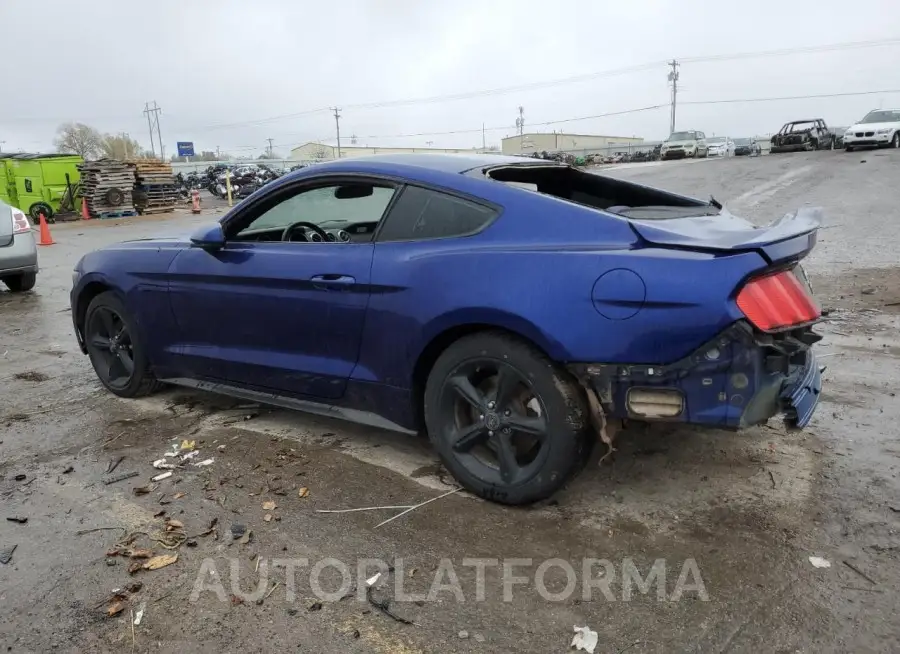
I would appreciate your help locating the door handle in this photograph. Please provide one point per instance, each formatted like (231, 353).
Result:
(332, 281)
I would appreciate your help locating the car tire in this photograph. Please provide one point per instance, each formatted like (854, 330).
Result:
(107, 311)
(38, 208)
(848, 148)
(528, 391)
(895, 142)
(20, 283)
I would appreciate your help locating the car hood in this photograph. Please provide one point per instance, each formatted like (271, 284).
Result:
(669, 144)
(871, 127)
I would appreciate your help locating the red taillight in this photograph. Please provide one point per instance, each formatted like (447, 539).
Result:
(776, 301)
(20, 223)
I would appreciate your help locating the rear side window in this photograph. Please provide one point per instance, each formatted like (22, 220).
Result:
(421, 214)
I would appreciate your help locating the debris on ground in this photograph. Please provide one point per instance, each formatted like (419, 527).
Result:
(139, 614)
(269, 505)
(314, 606)
(6, 554)
(303, 492)
(119, 477)
(20, 519)
(267, 517)
(32, 376)
(246, 538)
(585, 639)
(187, 445)
(115, 608)
(161, 464)
(413, 508)
(162, 476)
(860, 572)
(178, 496)
(463, 634)
(160, 561)
(144, 490)
(20, 477)
(202, 464)
(113, 464)
(819, 562)
(68, 470)
(237, 531)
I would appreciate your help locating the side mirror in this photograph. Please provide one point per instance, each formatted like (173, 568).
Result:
(209, 237)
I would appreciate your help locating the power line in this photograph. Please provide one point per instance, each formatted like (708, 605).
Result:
(792, 97)
(504, 90)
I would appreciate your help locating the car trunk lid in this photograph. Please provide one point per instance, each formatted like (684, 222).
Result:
(791, 237)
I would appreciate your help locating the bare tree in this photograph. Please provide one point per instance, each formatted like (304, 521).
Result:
(121, 147)
(79, 139)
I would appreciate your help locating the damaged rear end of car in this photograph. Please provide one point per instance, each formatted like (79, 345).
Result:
(707, 318)
(760, 365)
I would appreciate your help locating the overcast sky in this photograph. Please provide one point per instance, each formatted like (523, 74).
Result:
(233, 73)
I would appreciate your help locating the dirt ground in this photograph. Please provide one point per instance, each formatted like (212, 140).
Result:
(733, 518)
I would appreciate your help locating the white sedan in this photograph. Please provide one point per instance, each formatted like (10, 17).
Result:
(720, 146)
(880, 128)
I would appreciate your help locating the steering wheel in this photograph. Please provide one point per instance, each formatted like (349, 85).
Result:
(286, 234)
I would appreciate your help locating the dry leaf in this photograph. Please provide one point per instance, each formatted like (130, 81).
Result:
(115, 608)
(188, 445)
(303, 492)
(134, 567)
(267, 517)
(160, 561)
(174, 524)
(178, 496)
(269, 505)
(139, 553)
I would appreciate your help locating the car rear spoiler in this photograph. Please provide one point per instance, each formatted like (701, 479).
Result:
(792, 236)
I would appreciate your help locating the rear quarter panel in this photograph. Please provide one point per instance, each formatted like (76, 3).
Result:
(533, 272)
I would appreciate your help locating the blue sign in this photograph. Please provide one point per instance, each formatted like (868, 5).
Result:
(185, 148)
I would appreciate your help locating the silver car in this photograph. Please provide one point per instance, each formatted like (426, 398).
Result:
(18, 253)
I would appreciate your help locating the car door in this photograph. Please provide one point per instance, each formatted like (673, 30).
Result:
(279, 316)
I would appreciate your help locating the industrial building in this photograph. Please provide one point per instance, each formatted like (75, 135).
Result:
(314, 151)
(558, 142)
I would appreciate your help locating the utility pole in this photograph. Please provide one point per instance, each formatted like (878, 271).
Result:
(520, 128)
(155, 110)
(337, 125)
(673, 77)
(270, 148)
(483, 139)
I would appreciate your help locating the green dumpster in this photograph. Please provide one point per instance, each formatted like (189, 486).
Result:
(37, 182)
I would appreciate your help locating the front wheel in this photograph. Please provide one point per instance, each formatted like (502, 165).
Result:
(895, 142)
(509, 424)
(115, 349)
(848, 148)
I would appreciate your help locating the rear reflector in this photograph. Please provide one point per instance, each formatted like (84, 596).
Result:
(776, 301)
(20, 223)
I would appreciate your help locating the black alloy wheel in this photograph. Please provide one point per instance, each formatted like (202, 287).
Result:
(110, 347)
(498, 428)
(115, 349)
(506, 422)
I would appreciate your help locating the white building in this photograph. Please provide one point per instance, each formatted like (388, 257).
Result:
(560, 142)
(314, 151)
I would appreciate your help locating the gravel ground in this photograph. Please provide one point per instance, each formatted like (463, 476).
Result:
(733, 518)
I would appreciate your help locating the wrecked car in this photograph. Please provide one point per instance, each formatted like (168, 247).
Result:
(803, 135)
(432, 291)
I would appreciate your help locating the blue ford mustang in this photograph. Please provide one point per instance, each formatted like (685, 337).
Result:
(512, 307)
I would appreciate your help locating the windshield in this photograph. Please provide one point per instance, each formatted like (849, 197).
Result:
(742, 141)
(886, 116)
(800, 127)
(683, 136)
(716, 139)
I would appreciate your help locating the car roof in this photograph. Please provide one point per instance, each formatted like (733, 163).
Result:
(439, 162)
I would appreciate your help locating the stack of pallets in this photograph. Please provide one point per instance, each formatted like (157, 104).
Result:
(106, 186)
(154, 186)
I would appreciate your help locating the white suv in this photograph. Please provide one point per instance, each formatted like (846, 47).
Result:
(880, 128)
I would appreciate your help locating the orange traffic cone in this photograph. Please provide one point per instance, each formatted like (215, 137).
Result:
(46, 239)
(84, 210)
